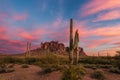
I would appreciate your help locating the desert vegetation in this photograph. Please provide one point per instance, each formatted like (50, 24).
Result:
(70, 66)
(50, 63)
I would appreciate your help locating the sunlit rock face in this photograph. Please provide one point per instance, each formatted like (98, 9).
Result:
(82, 53)
(55, 47)
(80, 49)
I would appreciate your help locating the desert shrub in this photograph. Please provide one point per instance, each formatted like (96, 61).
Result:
(95, 60)
(31, 60)
(25, 66)
(10, 59)
(47, 70)
(51, 68)
(49, 59)
(10, 65)
(92, 66)
(5, 69)
(115, 70)
(8, 70)
(105, 66)
(19, 60)
(73, 73)
(88, 65)
(98, 74)
(117, 63)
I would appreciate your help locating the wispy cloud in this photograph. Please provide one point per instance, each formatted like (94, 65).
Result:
(20, 17)
(95, 6)
(110, 15)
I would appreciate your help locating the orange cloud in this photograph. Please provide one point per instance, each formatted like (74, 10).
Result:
(95, 6)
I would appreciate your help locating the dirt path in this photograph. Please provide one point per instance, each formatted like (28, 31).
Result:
(30, 73)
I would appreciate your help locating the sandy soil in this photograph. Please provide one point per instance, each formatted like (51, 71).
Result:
(31, 73)
(108, 75)
(34, 73)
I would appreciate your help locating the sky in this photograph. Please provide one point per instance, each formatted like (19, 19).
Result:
(36, 21)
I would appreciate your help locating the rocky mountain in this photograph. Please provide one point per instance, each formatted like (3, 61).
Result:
(55, 47)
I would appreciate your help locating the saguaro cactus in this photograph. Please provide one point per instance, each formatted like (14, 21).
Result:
(28, 49)
(76, 41)
(71, 42)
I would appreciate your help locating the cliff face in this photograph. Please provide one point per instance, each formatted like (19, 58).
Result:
(56, 47)
(53, 46)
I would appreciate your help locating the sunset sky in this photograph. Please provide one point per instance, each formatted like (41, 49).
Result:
(38, 21)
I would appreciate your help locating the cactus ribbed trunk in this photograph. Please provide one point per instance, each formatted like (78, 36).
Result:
(71, 42)
(28, 49)
(76, 41)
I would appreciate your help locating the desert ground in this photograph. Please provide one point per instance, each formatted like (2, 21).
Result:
(35, 73)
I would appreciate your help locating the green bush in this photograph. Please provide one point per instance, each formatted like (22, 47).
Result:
(105, 66)
(10, 59)
(73, 73)
(98, 74)
(51, 68)
(25, 66)
(47, 70)
(31, 60)
(3, 68)
(6, 69)
(92, 66)
(10, 65)
(115, 70)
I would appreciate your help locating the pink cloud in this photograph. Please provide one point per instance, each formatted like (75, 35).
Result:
(57, 22)
(97, 43)
(2, 29)
(20, 17)
(62, 36)
(34, 34)
(108, 31)
(81, 26)
(40, 31)
(3, 34)
(3, 16)
(26, 35)
(12, 46)
(111, 15)
(95, 6)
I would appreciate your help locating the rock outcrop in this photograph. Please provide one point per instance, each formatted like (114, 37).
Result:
(53, 46)
(56, 47)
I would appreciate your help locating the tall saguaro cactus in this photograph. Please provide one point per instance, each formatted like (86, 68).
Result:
(71, 42)
(28, 49)
(76, 41)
